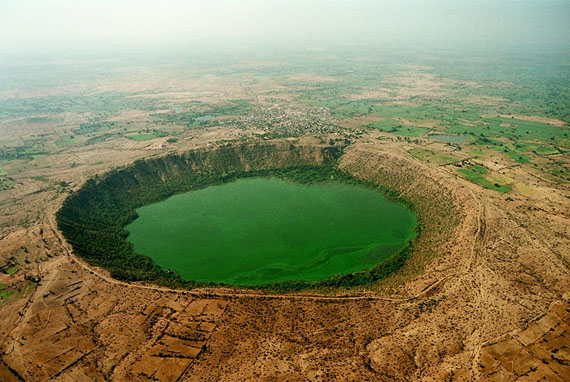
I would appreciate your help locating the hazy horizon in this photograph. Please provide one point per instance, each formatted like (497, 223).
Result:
(66, 27)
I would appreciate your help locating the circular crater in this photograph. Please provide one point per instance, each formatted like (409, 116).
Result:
(267, 215)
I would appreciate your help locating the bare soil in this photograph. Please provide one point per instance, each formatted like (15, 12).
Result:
(490, 302)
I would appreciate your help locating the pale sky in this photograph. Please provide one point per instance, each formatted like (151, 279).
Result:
(28, 26)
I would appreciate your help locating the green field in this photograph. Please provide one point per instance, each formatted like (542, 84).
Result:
(66, 140)
(141, 136)
(7, 295)
(394, 126)
(476, 174)
(264, 230)
(12, 270)
(411, 131)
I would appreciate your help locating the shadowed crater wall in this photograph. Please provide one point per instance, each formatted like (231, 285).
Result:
(93, 219)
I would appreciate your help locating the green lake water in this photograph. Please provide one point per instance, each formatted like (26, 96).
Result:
(257, 231)
(447, 138)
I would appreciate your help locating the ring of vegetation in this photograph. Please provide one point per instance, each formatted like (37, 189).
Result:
(93, 219)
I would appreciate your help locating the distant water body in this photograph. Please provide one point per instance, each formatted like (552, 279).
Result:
(449, 138)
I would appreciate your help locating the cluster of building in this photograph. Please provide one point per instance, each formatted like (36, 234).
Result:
(280, 121)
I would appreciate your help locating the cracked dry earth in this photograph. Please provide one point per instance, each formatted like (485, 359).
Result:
(493, 306)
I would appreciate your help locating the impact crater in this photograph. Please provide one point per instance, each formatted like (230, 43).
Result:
(273, 215)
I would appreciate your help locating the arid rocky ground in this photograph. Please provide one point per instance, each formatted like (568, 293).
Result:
(488, 300)
(491, 305)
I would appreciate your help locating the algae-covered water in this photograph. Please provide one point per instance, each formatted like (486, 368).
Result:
(258, 231)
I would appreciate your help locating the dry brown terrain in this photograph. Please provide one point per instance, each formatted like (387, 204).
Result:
(491, 305)
(485, 298)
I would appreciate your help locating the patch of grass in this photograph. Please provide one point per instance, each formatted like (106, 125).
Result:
(411, 131)
(12, 270)
(8, 295)
(474, 174)
(559, 171)
(394, 126)
(6, 186)
(141, 136)
(523, 147)
(414, 113)
(93, 127)
(146, 135)
(515, 152)
(353, 109)
(502, 180)
(476, 153)
(518, 157)
(386, 125)
(525, 134)
(546, 150)
(66, 140)
(478, 168)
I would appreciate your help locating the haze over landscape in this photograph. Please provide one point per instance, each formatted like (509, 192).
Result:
(271, 190)
(110, 26)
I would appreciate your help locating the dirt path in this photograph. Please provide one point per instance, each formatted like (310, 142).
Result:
(25, 315)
